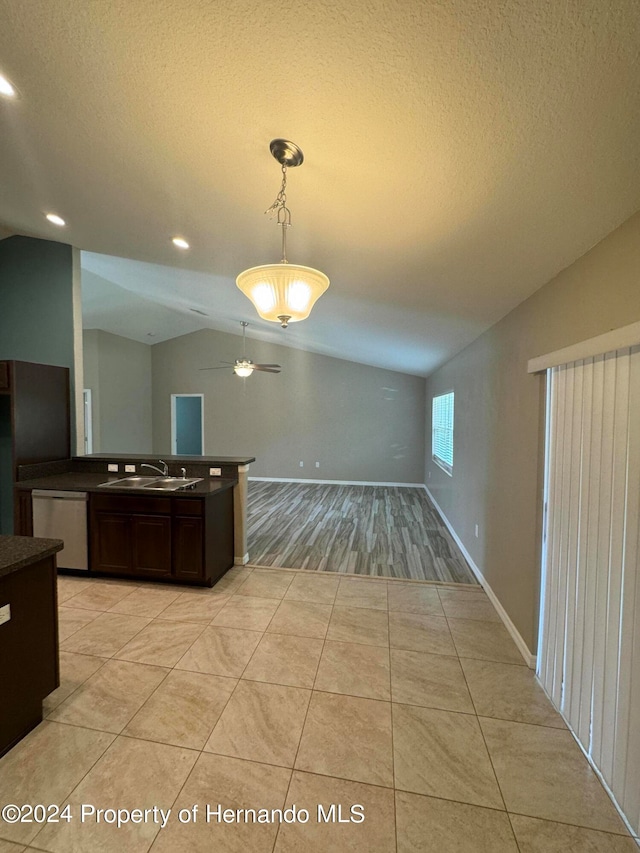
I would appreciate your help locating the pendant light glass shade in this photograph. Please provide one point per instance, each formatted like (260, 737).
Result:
(283, 293)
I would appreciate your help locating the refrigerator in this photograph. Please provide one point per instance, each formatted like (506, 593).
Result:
(35, 424)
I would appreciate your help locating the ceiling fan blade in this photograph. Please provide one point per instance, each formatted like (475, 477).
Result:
(224, 367)
(264, 369)
(268, 365)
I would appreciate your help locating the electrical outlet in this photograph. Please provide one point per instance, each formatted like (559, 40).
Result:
(215, 472)
(129, 469)
(317, 464)
(477, 531)
(113, 468)
(301, 464)
(5, 613)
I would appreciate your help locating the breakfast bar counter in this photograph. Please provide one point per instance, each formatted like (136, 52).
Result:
(176, 519)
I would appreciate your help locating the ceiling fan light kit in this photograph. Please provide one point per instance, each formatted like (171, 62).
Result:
(244, 366)
(283, 293)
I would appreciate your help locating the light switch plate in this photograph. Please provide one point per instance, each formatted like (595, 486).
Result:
(129, 469)
(5, 613)
(215, 472)
(112, 467)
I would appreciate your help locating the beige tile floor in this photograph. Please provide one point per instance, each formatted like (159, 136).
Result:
(282, 688)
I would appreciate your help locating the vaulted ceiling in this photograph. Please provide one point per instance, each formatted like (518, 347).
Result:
(458, 154)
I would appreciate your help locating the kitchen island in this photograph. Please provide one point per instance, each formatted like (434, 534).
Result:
(188, 535)
(28, 633)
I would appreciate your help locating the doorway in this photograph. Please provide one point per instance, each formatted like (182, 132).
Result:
(187, 424)
(88, 421)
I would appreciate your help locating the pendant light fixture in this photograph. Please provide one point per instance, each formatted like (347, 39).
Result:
(283, 293)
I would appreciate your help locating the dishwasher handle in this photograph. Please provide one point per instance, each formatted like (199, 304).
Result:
(67, 496)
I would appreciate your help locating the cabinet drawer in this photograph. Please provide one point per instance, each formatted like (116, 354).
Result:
(186, 506)
(131, 503)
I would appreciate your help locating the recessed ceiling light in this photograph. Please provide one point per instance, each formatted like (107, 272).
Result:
(57, 220)
(7, 88)
(180, 243)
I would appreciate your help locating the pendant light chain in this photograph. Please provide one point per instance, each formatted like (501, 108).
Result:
(283, 212)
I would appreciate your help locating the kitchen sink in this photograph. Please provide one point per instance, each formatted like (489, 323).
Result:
(172, 484)
(130, 482)
(160, 484)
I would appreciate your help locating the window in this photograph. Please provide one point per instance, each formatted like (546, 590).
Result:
(442, 431)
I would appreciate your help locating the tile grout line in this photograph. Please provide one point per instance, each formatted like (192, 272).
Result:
(304, 722)
(239, 678)
(482, 735)
(67, 797)
(393, 749)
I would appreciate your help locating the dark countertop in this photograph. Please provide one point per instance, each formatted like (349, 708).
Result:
(151, 457)
(78, 481)
(16, 552)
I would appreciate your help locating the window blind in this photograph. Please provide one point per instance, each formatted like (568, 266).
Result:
(442, 430)
(589, 653)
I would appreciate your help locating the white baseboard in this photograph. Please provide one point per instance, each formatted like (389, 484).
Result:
(529, 659)
(336, 482)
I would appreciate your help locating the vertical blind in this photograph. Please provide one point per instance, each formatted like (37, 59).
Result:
(589, 654)
(442, 430)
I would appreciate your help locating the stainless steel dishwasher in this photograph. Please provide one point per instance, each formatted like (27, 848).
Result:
(63, 515)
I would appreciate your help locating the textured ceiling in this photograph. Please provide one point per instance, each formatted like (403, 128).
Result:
(458, 153)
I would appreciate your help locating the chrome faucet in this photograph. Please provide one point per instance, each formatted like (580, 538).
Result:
(164, 471)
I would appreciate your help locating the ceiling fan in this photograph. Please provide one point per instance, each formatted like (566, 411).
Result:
(244, 366)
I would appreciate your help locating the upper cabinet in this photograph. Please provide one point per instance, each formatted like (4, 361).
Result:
(39, 411)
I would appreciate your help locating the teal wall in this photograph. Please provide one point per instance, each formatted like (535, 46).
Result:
(36, 324)
(36, 301)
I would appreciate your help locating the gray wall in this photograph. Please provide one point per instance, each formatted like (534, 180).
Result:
(358, 422)
(499, 416)
(118, 372)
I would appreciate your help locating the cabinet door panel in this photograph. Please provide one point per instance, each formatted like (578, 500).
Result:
(151, 544)
(111, 540)
(188, 548)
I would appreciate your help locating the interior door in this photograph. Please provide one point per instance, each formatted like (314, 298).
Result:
(187, 424)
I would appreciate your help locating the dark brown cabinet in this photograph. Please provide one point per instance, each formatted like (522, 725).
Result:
(189, 540)
(188, 550)
(111, 542)
(151, 544)
(34, 427)
(130, 535)
(28, 647)
(132, 544)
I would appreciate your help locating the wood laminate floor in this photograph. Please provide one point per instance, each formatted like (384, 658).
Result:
(381, 531)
